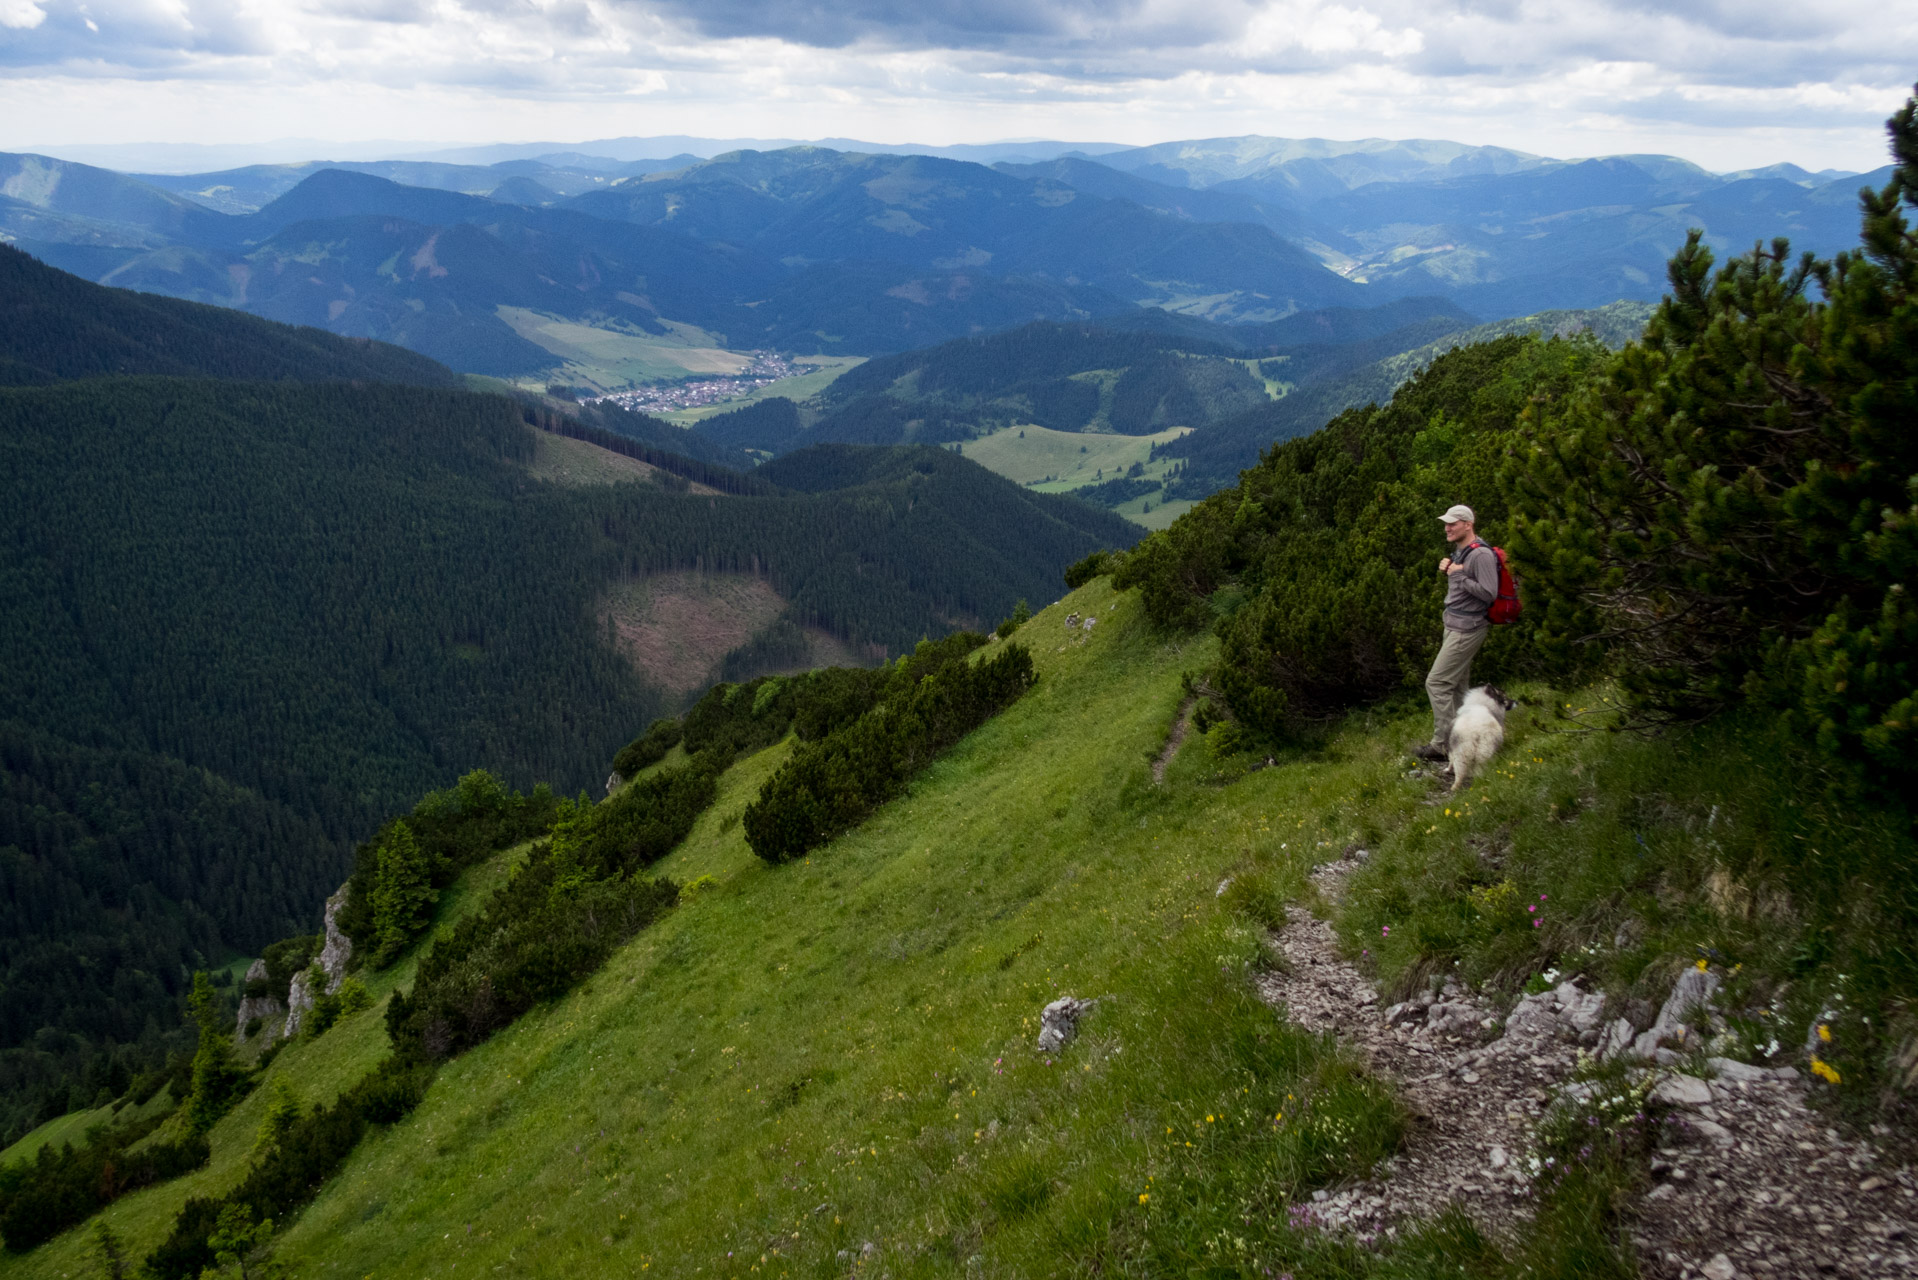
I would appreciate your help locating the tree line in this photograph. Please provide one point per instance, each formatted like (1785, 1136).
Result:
(246, 622)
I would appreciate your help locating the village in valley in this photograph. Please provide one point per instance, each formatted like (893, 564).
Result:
(763, 369)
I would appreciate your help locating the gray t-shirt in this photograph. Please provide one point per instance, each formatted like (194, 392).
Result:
(1469, 594)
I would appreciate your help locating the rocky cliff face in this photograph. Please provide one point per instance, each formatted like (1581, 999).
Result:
(268, 1008)
(338, 948)
(333, 958)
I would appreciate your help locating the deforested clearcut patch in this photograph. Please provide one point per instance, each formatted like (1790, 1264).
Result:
(675, 627)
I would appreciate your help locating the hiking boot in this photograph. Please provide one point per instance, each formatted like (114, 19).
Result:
(1426, 751)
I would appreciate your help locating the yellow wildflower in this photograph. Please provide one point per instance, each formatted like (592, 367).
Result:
(1824, 1032)
(1143, 1197)
(1824, 1071)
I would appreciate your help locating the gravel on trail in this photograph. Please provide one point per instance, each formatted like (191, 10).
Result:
(1747, 1179)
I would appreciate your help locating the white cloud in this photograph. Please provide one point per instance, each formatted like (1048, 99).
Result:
(21, 15)
(1716, 79)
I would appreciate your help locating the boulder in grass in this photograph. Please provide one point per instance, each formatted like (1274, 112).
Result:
(1059, 1022)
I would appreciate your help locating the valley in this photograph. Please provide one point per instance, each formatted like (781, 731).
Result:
(1061, 461)
(604, 359)
(860, 713)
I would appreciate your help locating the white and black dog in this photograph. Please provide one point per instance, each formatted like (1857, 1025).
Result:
(1477, 733)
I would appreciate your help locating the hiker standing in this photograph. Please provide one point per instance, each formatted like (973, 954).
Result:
(1471, 586)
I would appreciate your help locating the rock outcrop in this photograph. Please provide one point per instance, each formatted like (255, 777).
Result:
(267, 1008)
(299, 1000)
(338, 949)
(334, 955)
(1059, 1022)
(1691, 995)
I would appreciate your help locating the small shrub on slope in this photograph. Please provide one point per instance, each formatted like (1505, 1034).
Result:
(398, 874)
(648, 748)
(829, 786)
(555, 921)
(42, 1197)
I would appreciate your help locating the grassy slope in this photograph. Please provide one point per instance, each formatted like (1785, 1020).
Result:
(318, 1070)
(1072, 457)
(1162, 513)
(855, 1032)
(72, 1127)
(807, 1058)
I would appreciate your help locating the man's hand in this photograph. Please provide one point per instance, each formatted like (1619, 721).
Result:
(1449, 566)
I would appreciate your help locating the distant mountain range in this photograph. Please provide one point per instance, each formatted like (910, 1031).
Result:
(513, 266)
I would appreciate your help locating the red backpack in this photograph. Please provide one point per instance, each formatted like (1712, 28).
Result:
(1505, 606)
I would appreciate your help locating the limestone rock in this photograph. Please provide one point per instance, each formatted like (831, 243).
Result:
(1584, 1010)
(1692, 992)
(1683, 1091)
(1718, 1133)
(267, 1009)
(338, 949)
(1618, 1038)
(1059, 1022)
(335, 952)
(299, 999)
(1719, 1268)
(612, 782)
(1746, 1073)
(1090, 623)
(1072, 622)
(1452, 1018)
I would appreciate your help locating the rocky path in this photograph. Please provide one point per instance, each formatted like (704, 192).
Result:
(1181, 725)
(1749, 1181)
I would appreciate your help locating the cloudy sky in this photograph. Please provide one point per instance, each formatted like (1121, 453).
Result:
(1728, 83)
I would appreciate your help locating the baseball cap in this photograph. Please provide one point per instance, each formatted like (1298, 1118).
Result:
(1459, 512)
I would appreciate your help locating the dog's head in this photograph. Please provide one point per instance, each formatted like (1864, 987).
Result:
(1497, 695)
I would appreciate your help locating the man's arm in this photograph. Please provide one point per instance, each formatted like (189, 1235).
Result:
(1480, 573)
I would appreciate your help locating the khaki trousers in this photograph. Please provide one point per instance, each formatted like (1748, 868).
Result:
(1450, 677)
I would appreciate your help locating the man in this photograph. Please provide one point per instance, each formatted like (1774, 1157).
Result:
(1471, 584)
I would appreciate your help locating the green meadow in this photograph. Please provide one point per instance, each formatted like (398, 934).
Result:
(803, 1061)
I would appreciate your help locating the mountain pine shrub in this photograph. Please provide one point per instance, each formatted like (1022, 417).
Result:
(398, 874)
(42, 1197)
(1318, 570)
(829, 786)
(649, 748)
(1731, 509)
(578, 896)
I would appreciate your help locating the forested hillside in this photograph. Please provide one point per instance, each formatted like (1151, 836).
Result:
(247, 617)
(54, 325)
(1330, 378)
(1235, 388)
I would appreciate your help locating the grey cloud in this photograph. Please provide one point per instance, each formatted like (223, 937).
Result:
(142, 37)
(943, 24)
(391, 12)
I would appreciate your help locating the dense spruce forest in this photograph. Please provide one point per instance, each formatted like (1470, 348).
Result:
(59, 326)
(246, 620)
